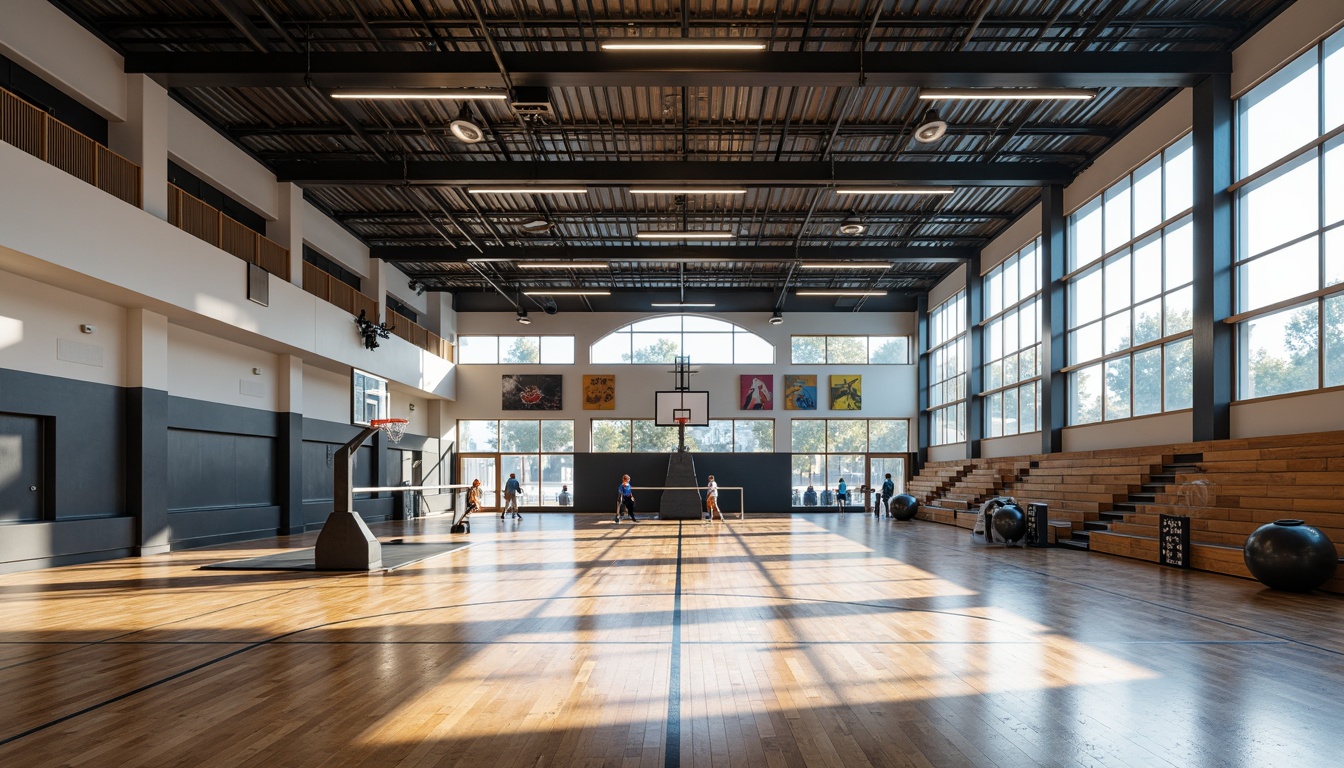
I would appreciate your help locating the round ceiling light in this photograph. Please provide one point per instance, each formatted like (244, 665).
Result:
(931, 128)
(852, 228)
(467, 132)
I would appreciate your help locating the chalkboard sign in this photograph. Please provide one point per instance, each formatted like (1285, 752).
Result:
(1038, 525)
(1173, 541)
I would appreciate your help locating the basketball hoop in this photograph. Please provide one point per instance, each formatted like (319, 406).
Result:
(393, 428)
(682, 420)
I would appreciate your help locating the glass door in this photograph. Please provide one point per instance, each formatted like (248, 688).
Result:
(526, 467)
(879, 466)
(485, 469)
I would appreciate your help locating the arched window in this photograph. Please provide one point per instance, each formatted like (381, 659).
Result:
(659, 339)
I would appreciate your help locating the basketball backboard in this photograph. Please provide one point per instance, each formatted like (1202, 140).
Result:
(666, 404)
(368, 398)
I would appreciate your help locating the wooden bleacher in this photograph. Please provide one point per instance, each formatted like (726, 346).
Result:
(1110, 501)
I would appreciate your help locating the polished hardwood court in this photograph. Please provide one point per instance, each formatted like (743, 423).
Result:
(569, 640)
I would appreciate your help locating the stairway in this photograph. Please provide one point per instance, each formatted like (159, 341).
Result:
(1181, 463)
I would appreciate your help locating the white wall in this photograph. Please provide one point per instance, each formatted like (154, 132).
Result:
(1129, 433)
(40, 332)
(889, 390)
(115, 252)
(203, 151)
(948, 287)
(332, 241)
(1289, 415)
(53, 46)
(326, 395)
(1016, 445)
(203, 367)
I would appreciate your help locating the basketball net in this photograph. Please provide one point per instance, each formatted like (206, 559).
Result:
(393, 428)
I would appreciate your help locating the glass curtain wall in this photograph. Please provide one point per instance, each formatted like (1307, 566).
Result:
(539, 452)
(1131, 269)
(947, 371)
(721, 436)
(825, 450)
(1290, 227)
(1011, 345)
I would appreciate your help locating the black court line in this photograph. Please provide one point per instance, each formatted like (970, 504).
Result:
(672, 749)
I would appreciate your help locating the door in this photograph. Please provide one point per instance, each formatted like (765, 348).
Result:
(486, 469)
(20, 468)
(879, 466)
(527, 468)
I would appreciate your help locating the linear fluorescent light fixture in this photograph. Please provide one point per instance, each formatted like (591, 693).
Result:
(569, 292)
(675, 44)
(562, 265)
(1009, 94)
(422, 94)
(679, 304)
(839, 293)
(878, 265)
(527, 190)
(688, 191)
(710, 235)
(894, 190)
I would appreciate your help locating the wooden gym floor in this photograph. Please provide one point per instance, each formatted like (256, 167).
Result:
(567, 640)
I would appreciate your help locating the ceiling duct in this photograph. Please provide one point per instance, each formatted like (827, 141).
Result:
(532, 102)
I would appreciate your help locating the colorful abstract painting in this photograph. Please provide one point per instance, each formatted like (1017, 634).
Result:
(756, 392)
(599, 393)
(847, 393)
(800, 392)
(532, 392)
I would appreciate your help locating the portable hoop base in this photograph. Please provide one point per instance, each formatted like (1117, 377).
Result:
(346, 543)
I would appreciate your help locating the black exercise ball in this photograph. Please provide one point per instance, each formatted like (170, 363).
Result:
(1010, 522)
(1289, 555)
(903, 506)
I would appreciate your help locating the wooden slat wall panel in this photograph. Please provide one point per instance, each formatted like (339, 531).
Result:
(37, 133)
(204, 221)
(23, 125)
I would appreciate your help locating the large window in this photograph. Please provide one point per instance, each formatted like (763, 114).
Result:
(539, 452)
(1012, 343)
(510, 350)
(850, 350)
(721, 436)
(1131, 268)
(947, 371)
(825, 450)
(660, 339)
(1290, 233)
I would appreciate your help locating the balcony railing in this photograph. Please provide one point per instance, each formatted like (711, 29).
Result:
(198, 218)
(333, 291)
(419, 335)
(54, 142)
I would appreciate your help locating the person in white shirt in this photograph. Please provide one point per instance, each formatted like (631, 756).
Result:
(712, 499)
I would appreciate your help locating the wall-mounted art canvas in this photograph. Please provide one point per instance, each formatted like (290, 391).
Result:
(800, 392)
(756, 392)
(599, 393)
(532, 392)
(847, 393)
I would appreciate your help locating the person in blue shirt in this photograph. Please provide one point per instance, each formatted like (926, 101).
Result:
(626, 500)
(841, 495)
(511, 490)
(888, 490)
(565, 498)
(810, 497)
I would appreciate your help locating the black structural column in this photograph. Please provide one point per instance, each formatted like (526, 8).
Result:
(289, 474)
(1054, 397)
(1213, 362)
(922, 381)
(147, 462)
(975, 370)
